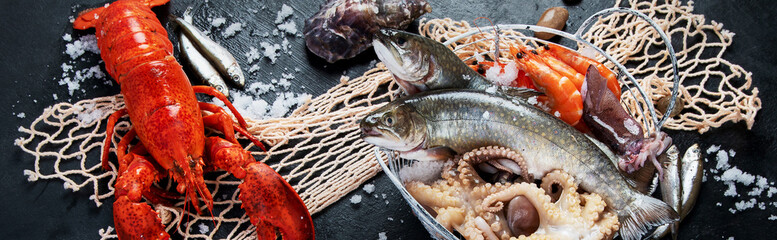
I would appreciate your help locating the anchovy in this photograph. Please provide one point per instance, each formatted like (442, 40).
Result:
(436, 124)
(681, 191)
(201, 66)
(219, 56)
(421, 64)
(691, 173)
(670, 190)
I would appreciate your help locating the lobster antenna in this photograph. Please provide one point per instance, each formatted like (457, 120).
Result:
(496, 38)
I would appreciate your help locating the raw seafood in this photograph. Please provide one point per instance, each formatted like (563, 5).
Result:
(436, 124)
(343, 28)
(168, 121)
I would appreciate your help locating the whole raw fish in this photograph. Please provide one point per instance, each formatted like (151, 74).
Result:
(421, 64)
(437, 124)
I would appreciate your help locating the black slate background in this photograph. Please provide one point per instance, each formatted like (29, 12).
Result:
(31, 53)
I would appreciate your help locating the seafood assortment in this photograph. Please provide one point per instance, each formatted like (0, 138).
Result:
(168, 120)
(343, 28)
(436, 125)
(478, 209)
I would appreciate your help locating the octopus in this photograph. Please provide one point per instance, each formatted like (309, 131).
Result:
(478, 209)
(342, 29)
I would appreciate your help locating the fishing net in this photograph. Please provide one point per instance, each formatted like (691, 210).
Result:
(317, 148)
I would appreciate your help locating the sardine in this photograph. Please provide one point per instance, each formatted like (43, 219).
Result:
(684, 188)
(219, 56)
(691, 173)
(201, 66)
(421, 64)
(670, 189)
(436, 124)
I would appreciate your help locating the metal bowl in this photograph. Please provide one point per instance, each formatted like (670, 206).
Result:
(392, 164)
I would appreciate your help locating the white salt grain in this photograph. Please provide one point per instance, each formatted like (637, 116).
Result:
(289, 27)
(270, 51)
(217, 22)
(369, 188)
(203, 228)
(84, 44)
(284, 13)
(67, 37)
(233, 29)
(356, 199)
(722, 159)
(742, 205)
(253, 55)
(20, 115)
(713, 148)
(772, 217)
(382, 236)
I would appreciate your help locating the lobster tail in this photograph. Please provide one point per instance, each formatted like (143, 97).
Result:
(88, 19)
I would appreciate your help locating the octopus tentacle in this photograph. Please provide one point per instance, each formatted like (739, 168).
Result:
(475, 208)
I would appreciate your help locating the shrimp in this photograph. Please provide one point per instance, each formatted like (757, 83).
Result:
(581, 63)
(565, 99)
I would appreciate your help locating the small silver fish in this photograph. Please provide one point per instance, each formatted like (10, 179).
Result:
(217, 55)
(691, 173)
(670, 189)
(683, 188)
(201, 66)
(436, 124)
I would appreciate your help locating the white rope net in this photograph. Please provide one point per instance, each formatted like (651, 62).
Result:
(317, 148)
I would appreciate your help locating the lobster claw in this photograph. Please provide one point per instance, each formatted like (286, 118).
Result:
(270, 201)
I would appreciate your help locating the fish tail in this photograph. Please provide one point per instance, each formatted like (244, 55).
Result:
(643, 214)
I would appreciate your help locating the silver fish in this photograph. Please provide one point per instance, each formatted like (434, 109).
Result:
(684, 187)
(218, 56)
(691, 173)
(670, 189)
(436, 124)
(201, 66)
(421, 64)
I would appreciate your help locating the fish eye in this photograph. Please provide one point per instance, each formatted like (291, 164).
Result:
(401, 41)
(389, 121)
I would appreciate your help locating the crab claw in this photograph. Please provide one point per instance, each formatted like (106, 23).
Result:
(267, 198)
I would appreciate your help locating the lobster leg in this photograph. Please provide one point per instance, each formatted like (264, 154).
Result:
(109, 135)
(222, 127)
(267, 198)
(215, 93)
(134, 219)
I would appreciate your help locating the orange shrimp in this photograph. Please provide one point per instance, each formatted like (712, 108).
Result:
(562, 68)
(566, 102)
(581, 63)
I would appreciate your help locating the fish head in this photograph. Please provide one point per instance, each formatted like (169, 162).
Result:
(407, 56)
(394, 126)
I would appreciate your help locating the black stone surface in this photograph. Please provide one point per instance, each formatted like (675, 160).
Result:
(32, 52)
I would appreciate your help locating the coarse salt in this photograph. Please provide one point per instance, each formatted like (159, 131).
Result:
(218, 22)
(356, 199)
(233, 29)
(369, 188)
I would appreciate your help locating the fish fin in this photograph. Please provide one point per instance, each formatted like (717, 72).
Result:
(642, 179)
(520, 93)
(643, 213)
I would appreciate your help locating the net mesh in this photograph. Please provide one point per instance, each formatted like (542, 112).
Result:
(317, 148)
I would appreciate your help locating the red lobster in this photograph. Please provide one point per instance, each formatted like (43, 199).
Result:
(168, 121)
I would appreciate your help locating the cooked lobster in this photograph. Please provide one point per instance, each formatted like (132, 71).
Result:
(168, 121)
